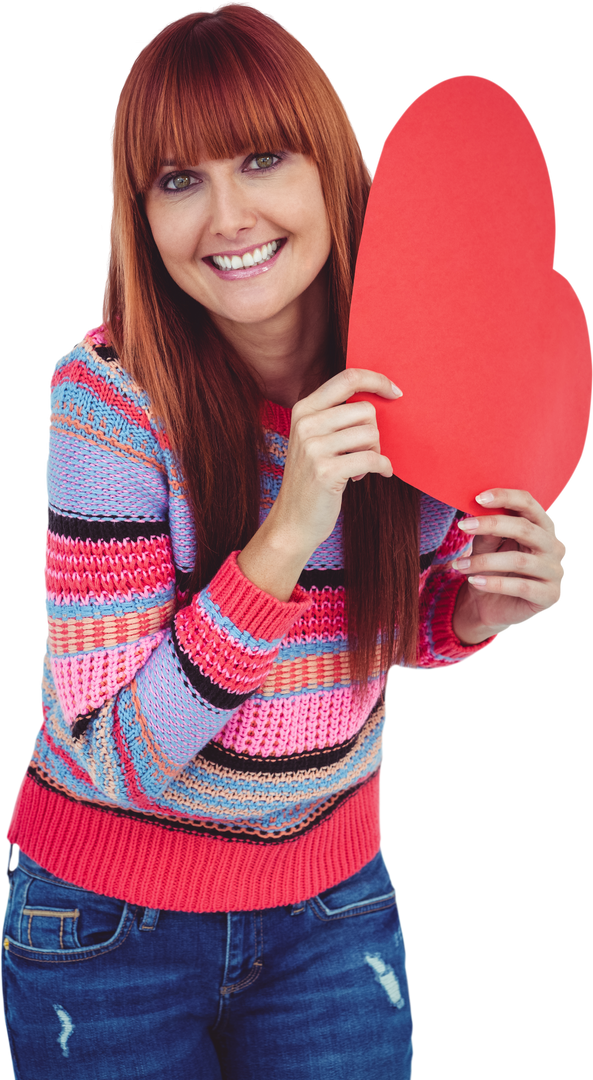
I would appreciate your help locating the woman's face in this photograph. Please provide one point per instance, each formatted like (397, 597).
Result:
(244, 236)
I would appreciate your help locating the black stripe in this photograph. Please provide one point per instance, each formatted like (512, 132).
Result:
(212, 693)
(318, 578)
(335, 578)
(309, 759)
(86, 529)
(106, 352)
(427, 559)
(182, 579)
(82, 722)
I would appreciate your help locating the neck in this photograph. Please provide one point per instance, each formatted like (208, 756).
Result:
(289, 352)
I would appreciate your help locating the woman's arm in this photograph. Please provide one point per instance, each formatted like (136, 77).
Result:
(132, 693)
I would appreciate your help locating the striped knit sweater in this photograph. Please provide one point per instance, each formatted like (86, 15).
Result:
(201, 756)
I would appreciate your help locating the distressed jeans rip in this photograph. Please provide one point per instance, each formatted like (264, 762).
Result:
(67, 1029)
(386, 977)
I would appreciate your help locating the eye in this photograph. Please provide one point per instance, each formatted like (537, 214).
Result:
(182, 181)
(263, 162)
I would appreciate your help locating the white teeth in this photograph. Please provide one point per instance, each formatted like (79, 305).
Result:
(250, 258)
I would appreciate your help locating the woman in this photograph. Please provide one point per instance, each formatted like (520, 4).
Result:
(198, 828)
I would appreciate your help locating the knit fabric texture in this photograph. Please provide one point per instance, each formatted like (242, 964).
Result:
(206, 755)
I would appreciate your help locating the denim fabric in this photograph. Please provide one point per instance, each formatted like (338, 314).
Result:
(97, 989)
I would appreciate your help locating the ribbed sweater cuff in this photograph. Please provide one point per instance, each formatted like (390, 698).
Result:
(251, 609)
(445, 640)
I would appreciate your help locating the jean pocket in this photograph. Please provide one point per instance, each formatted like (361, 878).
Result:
(49, 920)
(368, 890)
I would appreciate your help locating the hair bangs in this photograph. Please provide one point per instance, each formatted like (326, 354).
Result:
(215, 93)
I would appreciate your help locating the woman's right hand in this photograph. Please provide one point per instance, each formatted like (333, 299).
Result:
(331, 441)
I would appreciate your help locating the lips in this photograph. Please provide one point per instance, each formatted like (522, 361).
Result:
(230, 275)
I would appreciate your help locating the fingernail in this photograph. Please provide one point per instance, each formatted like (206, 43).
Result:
(461, 564)
(477, 580)
(468, 524)
(485, 497)
(396, 390)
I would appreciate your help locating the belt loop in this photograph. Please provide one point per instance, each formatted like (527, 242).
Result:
(150, 918)
(297, 909)
(8, 870)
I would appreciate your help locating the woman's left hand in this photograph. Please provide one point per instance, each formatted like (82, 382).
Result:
(514, 569)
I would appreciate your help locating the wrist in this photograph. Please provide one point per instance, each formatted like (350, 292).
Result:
(286, 537)
(467, 624)
(268, 562)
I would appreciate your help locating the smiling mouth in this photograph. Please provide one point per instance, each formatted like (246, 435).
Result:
(254, 257)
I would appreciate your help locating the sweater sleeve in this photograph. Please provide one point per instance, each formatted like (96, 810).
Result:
(438, 643)
(134, 688)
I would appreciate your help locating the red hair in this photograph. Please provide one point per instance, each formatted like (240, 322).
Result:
(219, 85)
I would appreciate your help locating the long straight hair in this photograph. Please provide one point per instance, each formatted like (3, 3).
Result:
(216, 85)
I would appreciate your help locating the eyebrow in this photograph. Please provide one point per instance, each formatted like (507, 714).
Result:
(170, 162)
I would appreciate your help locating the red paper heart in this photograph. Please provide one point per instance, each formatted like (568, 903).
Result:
(455, 299)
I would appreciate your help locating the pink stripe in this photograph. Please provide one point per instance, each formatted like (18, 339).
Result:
(296, 723)
(83, 683)
(83, 569)
(86, 682)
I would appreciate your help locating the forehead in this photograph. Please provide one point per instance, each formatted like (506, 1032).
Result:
(198, 157)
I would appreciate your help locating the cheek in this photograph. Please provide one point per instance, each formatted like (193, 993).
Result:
(309, 223)
(175, 245)
(319, 227)
(174, 235)
(320, 236)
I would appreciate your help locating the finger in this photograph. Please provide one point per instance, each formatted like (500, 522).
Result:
(325, 421)
(541, 594)
(348, 441)
(520, 501)
(343, 385)
(519, 563)
(347, 466)
(515, 528)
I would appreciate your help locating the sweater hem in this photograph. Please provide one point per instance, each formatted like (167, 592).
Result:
(143, 863)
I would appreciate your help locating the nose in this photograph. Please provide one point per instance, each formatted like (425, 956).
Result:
(230, 209)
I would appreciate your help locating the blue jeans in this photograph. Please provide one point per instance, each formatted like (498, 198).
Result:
(97, 989)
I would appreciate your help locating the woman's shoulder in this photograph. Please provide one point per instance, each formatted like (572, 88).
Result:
(93, 362)
(92, 348)
(99, 338)
(92, 375)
